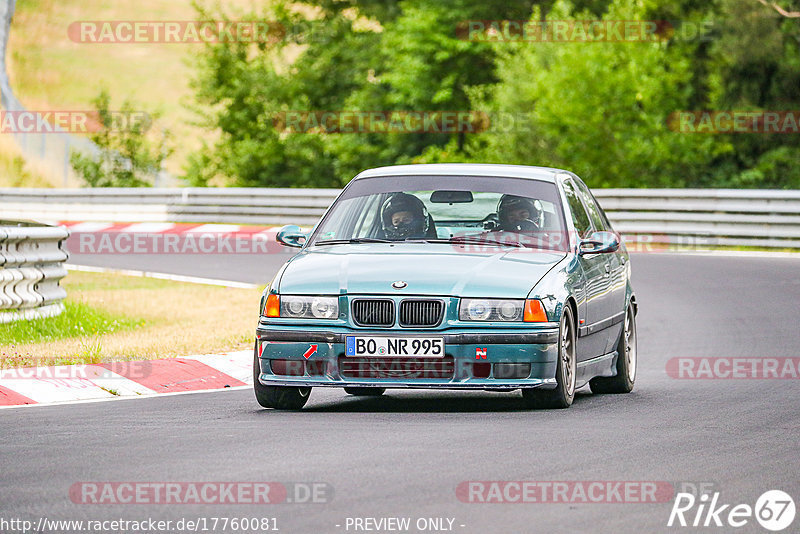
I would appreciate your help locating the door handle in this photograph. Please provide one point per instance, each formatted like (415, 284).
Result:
(608, 269)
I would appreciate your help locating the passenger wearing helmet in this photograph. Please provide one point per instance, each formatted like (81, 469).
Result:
(404, 216)
(518, 214)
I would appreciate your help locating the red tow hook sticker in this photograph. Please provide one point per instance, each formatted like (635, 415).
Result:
(310, 352)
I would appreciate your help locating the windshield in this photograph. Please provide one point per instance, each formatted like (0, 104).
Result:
(497, 211)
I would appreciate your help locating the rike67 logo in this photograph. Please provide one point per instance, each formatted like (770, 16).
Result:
(774, 510)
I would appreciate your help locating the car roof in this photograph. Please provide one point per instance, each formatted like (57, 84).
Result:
(546, 174)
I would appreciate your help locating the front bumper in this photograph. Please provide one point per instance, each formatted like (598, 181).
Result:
(327, 366)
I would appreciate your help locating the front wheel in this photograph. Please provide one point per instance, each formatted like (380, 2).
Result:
(626, 361)
(566, 369)
(277, 397)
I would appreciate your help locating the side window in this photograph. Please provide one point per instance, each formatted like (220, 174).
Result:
(579, 217)
(595, 213)
(367, 217)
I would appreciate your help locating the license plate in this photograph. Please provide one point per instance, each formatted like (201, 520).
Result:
(395, 347)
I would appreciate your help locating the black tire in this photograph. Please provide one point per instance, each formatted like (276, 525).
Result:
(365, 392)
(564, 393)
(626, 361)
(277, 397)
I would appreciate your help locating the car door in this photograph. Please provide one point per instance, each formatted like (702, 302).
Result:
(592, 340)
(615, 272)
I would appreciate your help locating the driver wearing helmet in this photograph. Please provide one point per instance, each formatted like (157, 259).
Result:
(518, 214)
(404, 216)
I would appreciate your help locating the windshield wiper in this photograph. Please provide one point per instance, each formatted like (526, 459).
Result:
(355, 240)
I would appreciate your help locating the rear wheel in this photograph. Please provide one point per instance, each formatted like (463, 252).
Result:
(365, 391)
(277, 397)
(564, 393)
(626, 361)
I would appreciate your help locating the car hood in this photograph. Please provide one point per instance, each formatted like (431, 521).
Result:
(427, 268)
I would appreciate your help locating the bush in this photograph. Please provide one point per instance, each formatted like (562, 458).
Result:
(127, 158)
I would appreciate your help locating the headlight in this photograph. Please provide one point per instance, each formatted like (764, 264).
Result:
(296, 307)
(530, 310)
(325, 307)
(491, 310)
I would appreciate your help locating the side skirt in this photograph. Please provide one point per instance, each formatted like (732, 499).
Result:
(605, 365)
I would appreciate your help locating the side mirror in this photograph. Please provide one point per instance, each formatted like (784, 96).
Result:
(599, 243)
(290, 236)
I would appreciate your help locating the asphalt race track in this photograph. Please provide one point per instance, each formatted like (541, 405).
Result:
(403, 455)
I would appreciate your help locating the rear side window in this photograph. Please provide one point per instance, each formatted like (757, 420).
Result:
(579, 217)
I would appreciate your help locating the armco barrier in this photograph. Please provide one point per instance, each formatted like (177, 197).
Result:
(31, 266)
(737, 217)
(730, 217)
(198, 205)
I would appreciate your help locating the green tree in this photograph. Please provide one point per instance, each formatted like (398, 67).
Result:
(599, 108)
(126, 157)
(241, 92)
(758, 69)
(357, 56)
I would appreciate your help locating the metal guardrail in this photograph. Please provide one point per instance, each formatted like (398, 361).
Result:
(31, 266)
(717, 217)
(736, 217)
(198, 205)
